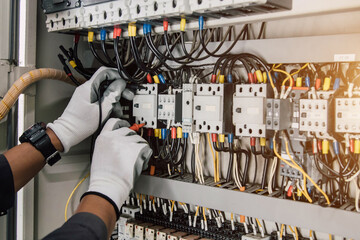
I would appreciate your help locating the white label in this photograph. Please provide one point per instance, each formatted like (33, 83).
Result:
(146, 105)
(252, 111)
(210, 108)
(344, 57)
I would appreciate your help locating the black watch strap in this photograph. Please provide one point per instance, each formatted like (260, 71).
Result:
(37, 136)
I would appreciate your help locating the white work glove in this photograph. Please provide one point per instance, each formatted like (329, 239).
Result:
(81, 116)
(119, 157)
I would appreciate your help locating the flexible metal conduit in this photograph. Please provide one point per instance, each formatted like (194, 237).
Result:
(27, 79)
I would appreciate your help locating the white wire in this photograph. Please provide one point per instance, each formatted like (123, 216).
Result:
(353, 177)
(235, 171)
(357, 195)
(272, 172)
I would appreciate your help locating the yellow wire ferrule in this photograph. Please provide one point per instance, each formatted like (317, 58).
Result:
(299, 82)
(259, 76)
(357, 146)
(132, 29)
(72, 63)
(326, 85)
(263, 142)
(221, 138)
(156, 79)
(179, 132)
(265, 77)
(325, 146)
(221, 78)
(156, 132)
(182, 24)
(90, 36)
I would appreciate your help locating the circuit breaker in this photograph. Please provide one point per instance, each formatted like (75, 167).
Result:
(145, 105)
(189, 91)
(347, 115)
(213, 108)
(314, 115)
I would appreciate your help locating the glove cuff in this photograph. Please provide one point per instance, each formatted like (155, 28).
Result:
(117, 211)
(59, 130)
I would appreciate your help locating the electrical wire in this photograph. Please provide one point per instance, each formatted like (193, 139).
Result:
(72, 193)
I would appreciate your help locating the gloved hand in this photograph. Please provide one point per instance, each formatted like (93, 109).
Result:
(119, 157)
(81, 117)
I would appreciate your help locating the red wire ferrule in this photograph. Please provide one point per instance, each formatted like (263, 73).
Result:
(149, 78)
(252, 142)
(289, 192)
(166, 25)
(214, 137)
(352, 145)
(213, 78)
(173, 133)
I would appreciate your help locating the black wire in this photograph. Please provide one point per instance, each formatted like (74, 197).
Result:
(193, 163)
(98, 58)
(106, 54)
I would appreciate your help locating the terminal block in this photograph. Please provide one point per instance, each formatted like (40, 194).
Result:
(163, 233)
(212, 108)
(170, 107)
(347, 115)
(278, 114)
(151, 232)
(145, 109)
(314, 115)
(187, 107)
(249, 110)
(176, 235)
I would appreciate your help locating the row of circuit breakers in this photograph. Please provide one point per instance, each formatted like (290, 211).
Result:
(248, 110)
(77, 14)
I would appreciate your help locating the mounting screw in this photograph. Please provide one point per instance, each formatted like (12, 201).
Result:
(77, 4)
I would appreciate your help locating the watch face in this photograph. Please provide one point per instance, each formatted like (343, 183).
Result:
(33, 133)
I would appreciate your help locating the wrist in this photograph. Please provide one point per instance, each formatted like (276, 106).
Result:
(54, 140)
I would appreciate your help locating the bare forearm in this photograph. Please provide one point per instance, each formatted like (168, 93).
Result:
(26, 161)
(101, 208)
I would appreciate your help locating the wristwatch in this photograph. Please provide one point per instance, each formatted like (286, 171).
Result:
(36, 135)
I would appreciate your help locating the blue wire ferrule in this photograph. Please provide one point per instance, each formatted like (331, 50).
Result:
(149, 27)
(307, 81)
(336, 83)
(271, 145)
(102, 34)
(161, 78)
(336, 147)
(145, 29)
(163, 133)
(231, 138)
(185, 135)
(201, 23)
(229, 78)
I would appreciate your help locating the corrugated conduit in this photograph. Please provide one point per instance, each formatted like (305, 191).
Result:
(24, 81)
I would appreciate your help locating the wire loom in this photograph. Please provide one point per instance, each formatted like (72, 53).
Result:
(26, 80)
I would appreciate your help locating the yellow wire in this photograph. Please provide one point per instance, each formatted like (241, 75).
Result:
(218, 166)
(197, 211)
(291, 229)
(232, 216)
(303, 172)
(330, 237)
(258, 222)
(281, 230)
(72, 193)
(296, 234)
(204, 214)
(213, 156)
(299, 168)
(286, 79)
(311, 233)
(172, 205)
(296, 72)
